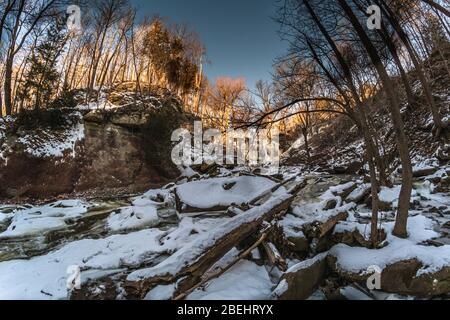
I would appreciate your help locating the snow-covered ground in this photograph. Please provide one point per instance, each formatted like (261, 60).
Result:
(147, 237)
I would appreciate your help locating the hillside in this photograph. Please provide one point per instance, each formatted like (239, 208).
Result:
(338, 147)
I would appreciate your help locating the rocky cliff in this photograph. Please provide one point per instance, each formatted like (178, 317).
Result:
(95, 149)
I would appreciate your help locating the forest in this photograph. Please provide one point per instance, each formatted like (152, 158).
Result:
(92, 200)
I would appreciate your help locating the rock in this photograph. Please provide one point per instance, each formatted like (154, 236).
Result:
(131, 120)
(443, 153)
(359, 194)
(300, 245)
(330, 204)
(423, 172)
(345, 192)
(302, 280)
(228, 186)
(346, 237)
(319, 229)
(443, 185)
(94, 117)
(351, 168)
(384, 206)
(401, 278)
(354, 238)
(445, 181)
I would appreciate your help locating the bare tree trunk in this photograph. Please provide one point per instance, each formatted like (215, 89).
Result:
(363, 125)
(305, 136)
(8, 84)
(400, 228)
(7, 9)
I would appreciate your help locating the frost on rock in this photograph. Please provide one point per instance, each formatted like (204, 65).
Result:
(52, 143)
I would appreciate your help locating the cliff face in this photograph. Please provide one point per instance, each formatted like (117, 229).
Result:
(98, 152)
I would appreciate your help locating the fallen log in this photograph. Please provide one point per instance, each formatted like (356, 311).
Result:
(220, 272)
(294, 190)
(318, 229)
(187, 266)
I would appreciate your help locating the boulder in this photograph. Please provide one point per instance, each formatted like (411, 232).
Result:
(319, 229)
(359, 194)
(302, 280)
(443, 153)
(402, 277)
(423, 172)
(300, 244)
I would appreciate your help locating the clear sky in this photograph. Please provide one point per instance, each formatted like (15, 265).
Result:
(239, 35)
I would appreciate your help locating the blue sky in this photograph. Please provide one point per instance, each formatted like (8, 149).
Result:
(239, 35)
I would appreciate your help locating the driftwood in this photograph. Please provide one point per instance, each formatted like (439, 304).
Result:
(274, 256)
(190, 275)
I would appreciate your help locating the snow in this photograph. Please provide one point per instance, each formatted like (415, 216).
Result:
(390, 195)
(358, 193)
(130, 218)
(313, 212)
(193, 251)
(186, 172)
(45, 277)
(307, 263)
(420, 228)
(249, 282)
(166, 251)
(52, 144)
(291, 227)
(350, 225)
(103, 104)
(162, 292)
(42, 219)
(341, 188)
(29, 279)
(281, 288)
(211, 193)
